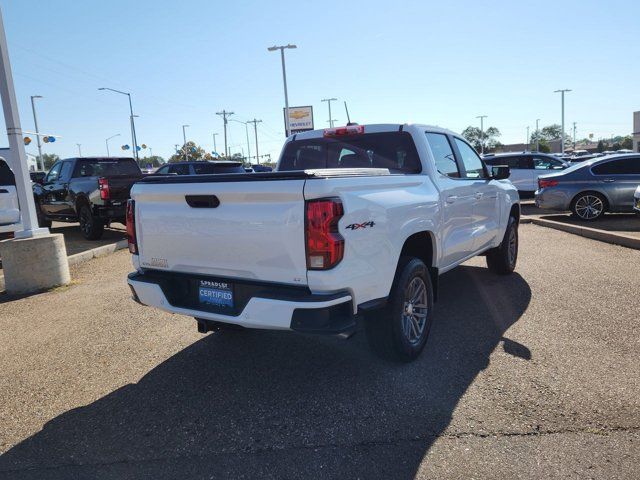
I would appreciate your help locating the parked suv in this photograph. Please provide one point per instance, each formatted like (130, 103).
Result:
(355, 226)
(89, 190)
(9, 211)
(526, 167)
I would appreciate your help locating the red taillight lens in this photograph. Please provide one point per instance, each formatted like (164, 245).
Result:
(542, 183)
(348, 130)
(325, 246)
(103, 186)
(131, 227)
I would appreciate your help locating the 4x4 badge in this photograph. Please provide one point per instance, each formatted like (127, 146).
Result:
(356, 226)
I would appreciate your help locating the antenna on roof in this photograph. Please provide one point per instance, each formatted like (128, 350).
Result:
(348, 118)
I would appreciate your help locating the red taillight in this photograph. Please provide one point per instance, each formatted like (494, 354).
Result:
(131, 227)
(542, 183)
(103, 186)
(325, 246)
(348, 130)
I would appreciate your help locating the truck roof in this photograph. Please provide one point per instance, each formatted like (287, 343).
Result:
(376, 128)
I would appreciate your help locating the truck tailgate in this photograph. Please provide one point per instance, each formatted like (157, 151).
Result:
(255, 232)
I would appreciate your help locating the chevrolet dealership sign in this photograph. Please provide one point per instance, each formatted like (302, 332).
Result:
(300, 119)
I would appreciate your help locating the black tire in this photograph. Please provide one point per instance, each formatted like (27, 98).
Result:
(588, 206)
(42, 220)
(387, 330)
(502, 259)
(91, 227)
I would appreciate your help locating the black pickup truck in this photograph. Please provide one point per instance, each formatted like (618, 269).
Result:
(90, 190)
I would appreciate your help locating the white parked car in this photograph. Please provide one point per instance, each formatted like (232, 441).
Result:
(9, 210)
(354, 226)
(527, 167)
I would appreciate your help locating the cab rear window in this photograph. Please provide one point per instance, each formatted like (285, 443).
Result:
(106, 168)
(392, 150)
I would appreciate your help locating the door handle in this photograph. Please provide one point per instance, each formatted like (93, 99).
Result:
(609, 180)
(452, 198)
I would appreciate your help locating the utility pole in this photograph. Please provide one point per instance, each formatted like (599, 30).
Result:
(215, 148)
(562, 92)
(184, 137)
(537, 135)
(329, 100)
(35, 121)
(224, 115)
(528, 147)
(284, 80)
(79, 149)
(175, 145)
(255, 129)
(481, 117)
(574, 135)
(246, 131)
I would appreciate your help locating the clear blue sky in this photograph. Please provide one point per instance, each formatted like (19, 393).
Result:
(440, 63)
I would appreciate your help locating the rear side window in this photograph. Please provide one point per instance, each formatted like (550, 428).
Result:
(472, 163)
(622, 166)
(6, 175)
(206, 167)
(393, 150)
(106, 168)
(180, 169)
(443, 155)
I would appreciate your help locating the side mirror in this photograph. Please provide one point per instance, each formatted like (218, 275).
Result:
(500, 172)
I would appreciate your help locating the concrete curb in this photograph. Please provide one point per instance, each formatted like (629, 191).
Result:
(587, 232)
(87, 255)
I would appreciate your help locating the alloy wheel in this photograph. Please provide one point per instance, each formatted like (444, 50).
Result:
(414, 315)
(589, 207)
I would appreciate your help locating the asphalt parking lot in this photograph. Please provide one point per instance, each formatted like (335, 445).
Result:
(533, 375)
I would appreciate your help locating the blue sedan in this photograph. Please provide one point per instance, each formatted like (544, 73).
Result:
(591, 188)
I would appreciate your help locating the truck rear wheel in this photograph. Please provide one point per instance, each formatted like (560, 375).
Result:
(399, 331)
(91, 227)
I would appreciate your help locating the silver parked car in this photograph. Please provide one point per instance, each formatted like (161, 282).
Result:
(591, 188)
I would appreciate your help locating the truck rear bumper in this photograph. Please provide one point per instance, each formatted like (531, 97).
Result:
(304, 312)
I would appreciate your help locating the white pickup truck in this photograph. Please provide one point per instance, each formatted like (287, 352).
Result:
(353, 228)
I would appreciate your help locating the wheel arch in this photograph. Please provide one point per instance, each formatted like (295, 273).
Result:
(422, 245)
(607, 200)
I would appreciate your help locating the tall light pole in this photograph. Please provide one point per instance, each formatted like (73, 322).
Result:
(79, 149)
(255, 129)
(284, 79)
(528, 147)
(574, 135)
(246, 131)
(562, 92)
(106, 141)
(537, 135)
(184, 137)
(481, 117)
(35, 121)
(329, 100)
(215, 148)
(134, 140)
(224, 115)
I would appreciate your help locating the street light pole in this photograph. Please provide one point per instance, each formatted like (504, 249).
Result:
(35, 121)
(537, 135)
(246, 131)
(79, 149)
(106, 141)
(184, 137)
(284, 80)
(528, 147)
(562, 92)
(131, 116)
(574, 135)
(481, 117)
(255, 129)
(224, 115)
(215, 148)
(329, 100)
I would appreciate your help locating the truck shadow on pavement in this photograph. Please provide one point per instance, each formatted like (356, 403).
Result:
(277, 405)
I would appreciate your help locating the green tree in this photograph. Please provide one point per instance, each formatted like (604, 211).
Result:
(476, 138)
(49, 159)
(549, 133)
(600, 146)
(195, 153)
(627, 143)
